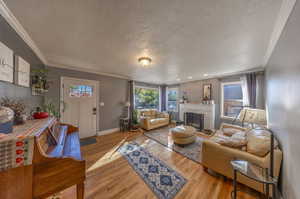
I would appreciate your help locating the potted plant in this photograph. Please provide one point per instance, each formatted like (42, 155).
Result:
(51, 108)
(18, 106)
(135, 122)
(46, 110)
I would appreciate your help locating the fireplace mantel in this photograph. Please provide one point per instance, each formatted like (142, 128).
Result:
(207, 109)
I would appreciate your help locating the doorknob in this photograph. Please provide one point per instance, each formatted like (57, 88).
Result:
(94, 111)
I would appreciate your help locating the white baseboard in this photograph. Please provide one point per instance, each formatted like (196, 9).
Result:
(108, 131)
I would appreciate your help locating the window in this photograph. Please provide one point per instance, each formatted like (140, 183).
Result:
(172, 99)
(81, 91)
(232, 99)
(146, 98)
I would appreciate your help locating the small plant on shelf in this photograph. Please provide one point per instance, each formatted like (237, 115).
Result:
(39, 82)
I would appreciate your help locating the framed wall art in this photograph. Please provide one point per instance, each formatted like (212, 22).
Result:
(207, 92)
(6, 64)
(22, 72)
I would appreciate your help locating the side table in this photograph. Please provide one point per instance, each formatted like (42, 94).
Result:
(253, 172)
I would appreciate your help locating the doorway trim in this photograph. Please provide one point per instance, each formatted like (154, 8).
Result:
(61, 105)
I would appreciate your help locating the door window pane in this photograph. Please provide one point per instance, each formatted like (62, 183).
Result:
(81, 91)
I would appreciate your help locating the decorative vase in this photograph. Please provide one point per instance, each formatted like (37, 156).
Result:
(6, 120)
(38, 114)
(18, 120)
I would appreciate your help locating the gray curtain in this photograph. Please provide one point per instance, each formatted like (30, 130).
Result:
(251, 85)
(260, 91)
(131, 99)
(163, 97)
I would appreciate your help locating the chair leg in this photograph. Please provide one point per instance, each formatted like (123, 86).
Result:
(80, 190)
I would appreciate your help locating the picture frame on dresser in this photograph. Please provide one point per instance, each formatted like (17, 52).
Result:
(6, 64)
(22, 72)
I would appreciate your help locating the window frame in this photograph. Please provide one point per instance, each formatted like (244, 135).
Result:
(147, 87)
(177, 99)
(222, 97)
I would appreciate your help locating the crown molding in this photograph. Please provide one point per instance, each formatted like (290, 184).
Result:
(16, 25)
(214, 76)
(86, 70)
(284, 13)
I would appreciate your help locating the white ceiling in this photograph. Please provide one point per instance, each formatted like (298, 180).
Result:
(183, 38)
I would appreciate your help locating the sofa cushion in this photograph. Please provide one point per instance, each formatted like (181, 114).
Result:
(230, 131)
(148, 113)
(161, 115)
(238, 140)
(158, 120)
(259, 141)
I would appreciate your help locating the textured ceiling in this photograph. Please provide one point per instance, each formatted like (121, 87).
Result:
(183, 38)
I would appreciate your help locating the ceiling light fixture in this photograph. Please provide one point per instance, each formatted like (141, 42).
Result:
(178, 79)
(145, 61)
(190, 77)
(205, 75)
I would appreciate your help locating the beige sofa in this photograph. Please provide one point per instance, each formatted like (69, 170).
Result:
(151, 119)
(217, 157)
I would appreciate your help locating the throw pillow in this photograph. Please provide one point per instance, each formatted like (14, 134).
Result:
(237, 141)
(230, 131)
(259, 141)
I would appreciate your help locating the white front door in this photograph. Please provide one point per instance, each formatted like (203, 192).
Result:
(79, 104)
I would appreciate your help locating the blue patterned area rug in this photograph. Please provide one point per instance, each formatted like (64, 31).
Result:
(164, 181)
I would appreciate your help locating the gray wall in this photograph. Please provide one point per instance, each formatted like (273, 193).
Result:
(283, 100)
(11, 39)
(113, 92)
(194, 93)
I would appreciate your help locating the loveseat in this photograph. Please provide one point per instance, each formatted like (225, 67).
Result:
(217, 157)
(151, 119)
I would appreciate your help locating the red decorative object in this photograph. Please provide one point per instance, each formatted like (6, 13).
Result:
(18, 160)
(18, 152)
(19, 143)
(40, 115)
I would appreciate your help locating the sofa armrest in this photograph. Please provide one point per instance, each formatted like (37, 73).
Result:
(144, 122)
(218, 157)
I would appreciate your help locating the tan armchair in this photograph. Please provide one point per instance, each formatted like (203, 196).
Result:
(151, 119)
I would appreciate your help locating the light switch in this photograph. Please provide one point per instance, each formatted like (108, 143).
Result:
(101, 103)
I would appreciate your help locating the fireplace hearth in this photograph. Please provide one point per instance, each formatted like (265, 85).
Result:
(195, 120)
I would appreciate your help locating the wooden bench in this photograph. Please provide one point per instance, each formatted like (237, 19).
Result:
(57, 161)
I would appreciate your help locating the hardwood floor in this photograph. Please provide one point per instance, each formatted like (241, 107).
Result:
(110, 176)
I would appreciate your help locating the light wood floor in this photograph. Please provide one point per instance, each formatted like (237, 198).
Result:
(110, 176)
